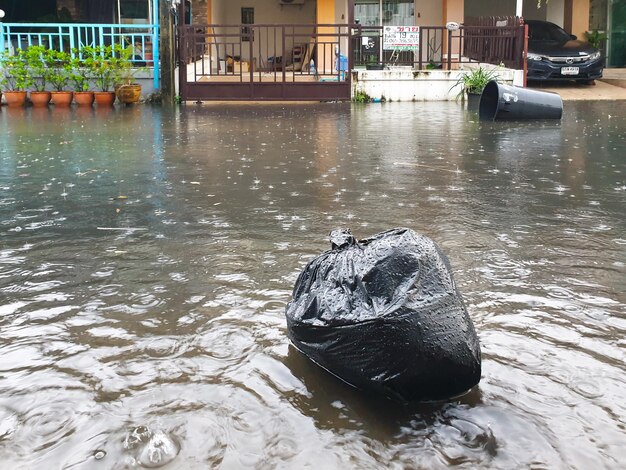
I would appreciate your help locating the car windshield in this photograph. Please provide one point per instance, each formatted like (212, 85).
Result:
(547, 32)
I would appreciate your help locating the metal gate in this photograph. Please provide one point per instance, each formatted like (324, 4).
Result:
(264, 62)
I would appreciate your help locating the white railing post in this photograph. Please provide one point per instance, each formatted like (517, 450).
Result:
(101, 35)
(72, 44)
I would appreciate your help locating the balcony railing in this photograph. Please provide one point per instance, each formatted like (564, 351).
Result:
(71, 37)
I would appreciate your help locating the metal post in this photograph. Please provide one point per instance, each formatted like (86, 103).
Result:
(420, 42)
(350, 44)
(182, 48)
(166, 53)
(449, 64)
(525, 54)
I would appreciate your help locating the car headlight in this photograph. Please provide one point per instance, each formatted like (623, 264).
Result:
(595, 55)
(532, 56)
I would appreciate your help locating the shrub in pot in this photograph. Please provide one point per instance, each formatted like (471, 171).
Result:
(60, 65)
(126, 89)
(37, 58)
(104, 70)
(15, 78)
(80, 78)
(474, 82)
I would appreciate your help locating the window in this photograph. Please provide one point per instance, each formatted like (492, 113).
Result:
(247, 17)
(392, 12)
(134, 11)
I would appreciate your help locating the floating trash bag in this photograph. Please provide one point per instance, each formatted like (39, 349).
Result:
(384, 314)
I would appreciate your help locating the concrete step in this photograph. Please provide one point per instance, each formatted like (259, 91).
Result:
(620, 82)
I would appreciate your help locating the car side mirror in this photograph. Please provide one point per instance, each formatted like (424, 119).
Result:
(573, 36)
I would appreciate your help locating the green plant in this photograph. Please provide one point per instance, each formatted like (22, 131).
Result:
(121, 61)
(595, 38)
(108, 65)
(81, 68)
(474, 82)
(99, 62)
(15, 74)
(37, 60)
(361, 97)
(60, 65)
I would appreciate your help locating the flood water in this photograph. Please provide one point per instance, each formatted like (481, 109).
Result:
(147, 256)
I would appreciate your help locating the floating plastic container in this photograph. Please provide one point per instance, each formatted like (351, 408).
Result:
(500, 101)
(341, 63)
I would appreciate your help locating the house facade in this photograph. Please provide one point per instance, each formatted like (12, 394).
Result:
(232, 52)
(573, 15)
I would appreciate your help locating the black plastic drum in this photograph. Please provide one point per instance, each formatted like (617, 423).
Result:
(500, 101)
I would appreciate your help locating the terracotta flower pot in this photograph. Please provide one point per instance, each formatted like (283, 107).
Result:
(62, 98)
(104, 98)
(128, 94)
(83, 98)
(15, 99)
(40, 99)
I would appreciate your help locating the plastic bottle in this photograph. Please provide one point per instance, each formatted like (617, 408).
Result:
(312, 68)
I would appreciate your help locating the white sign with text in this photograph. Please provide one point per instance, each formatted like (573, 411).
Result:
(401, 38)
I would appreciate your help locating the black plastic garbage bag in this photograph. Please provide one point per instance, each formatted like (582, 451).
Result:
(384, 314)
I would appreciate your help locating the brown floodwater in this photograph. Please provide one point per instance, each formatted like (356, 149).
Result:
(147, 256)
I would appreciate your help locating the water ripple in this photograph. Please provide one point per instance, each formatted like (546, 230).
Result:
(161, 340)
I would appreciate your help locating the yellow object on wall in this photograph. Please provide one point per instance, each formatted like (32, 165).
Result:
(579, 18)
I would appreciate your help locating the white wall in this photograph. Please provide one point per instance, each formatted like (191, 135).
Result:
(426, 85)
(429, 13)
(265, 12)
(553, 10)
(341, 17)
(341, 11)
(556, 12)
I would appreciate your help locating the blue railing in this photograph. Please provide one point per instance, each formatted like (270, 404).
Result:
(70, 37)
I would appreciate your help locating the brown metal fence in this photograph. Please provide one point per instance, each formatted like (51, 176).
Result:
(495, 39)
(313, 61)
(441, 48)
(264, 61)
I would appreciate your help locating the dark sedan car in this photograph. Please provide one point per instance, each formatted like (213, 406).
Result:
(553, 54)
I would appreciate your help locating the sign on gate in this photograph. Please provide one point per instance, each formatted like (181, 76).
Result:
(401, 38)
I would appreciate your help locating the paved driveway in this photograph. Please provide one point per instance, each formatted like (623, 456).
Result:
(574, 91)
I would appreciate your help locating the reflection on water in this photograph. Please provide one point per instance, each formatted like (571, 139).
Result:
(147, 255)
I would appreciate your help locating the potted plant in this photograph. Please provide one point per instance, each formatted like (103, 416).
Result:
(80, 77)
(596, 38)
(60, 66)
(37, 63)
(103, 64)
(127, 90)
(373, 64)
(15, 78)
(473, 83)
